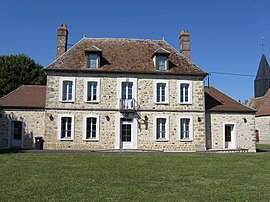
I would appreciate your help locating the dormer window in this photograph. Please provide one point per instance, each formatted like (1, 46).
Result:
(161, 63)
(160, 58)
(93, 60)
(94, 54)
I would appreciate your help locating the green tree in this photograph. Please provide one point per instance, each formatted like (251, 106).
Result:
(17, 70)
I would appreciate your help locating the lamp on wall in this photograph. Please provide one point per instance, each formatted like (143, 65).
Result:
(199, 119)
(107, 118)
(51, 117)
(146, 118)
(245, 120)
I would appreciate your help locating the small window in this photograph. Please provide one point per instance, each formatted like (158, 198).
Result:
(93, 61)
(161, 128)
(91, 127)
(91, 90)
(185, 93)
(67, 89)
(161, 92)
(161, 63)
(66, 127)
(186, 129)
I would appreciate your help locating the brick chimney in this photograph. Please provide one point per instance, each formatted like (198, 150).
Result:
(62, 37)
(184, 41)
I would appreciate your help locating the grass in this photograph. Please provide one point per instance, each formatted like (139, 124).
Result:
(134, 177)
(263, 147)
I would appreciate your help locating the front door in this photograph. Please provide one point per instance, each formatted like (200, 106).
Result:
(229, 136)
(16, 134)
(126, 133)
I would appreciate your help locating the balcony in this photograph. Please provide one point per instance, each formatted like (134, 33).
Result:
(127, 105)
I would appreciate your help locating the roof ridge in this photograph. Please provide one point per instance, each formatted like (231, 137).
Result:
(135, 39)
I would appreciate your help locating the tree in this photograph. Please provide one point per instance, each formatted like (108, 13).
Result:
(17, 70)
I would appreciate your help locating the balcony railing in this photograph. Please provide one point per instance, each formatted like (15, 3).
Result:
(127, 105)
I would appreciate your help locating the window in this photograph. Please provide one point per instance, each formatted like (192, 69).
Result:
(93, 61)
(67, 90)
(185, 92)
(91, 124)
(162, 128)
(186, 129)
(161, 92)
(66, 127)
(91, 90)
(127, 90)
(161, 63)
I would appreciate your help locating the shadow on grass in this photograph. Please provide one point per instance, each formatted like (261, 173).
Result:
(13, 151)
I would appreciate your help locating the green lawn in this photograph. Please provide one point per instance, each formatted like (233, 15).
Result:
(263, 147)
(135, 177)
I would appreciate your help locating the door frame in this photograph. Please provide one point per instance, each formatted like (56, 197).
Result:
(134, 137)
(10, 133)
(233, 136)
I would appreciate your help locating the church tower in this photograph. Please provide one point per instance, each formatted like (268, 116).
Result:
(262, 81)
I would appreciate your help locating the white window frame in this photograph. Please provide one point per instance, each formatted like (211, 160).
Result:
(86, 80)
(119, 88)
(85, 127)
(61, 81)
(190, 90)
(156, 63)
(97, 60)
(60, 127)
(190, 128)
(167, 128)
(166, 91)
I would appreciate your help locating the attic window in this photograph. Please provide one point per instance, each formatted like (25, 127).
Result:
(93, 60)
(161, 63)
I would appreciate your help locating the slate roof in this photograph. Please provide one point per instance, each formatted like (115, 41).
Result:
(217, 101)
(263, 70)
(26, 96)
(261, 104)
(124, 55)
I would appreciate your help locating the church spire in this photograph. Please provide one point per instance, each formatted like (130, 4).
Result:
(262, 81)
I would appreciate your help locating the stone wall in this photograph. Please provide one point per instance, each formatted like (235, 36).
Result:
(108, 106)
(109, 133)
(245, 132)
(33, 124)
(263, 126)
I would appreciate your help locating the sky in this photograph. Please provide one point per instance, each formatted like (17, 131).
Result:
(225, 34)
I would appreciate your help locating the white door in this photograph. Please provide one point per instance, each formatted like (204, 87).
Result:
(229, 136)
(126, 133)
(16, 134)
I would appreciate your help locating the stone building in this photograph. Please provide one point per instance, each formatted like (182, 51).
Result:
(111, 93)
(261, 101)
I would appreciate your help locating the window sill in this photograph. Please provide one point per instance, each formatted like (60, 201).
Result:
(66, 139)
(186, 140)
(162, 103)
(92, 102)
(91, 140)
(162, 140)
(185, 103)
(67, 101)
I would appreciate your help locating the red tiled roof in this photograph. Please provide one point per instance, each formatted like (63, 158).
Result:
(26, 96)
(262, 104)
(217, 101)
(125, 55)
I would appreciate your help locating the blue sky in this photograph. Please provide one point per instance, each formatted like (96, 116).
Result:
(225, 34)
